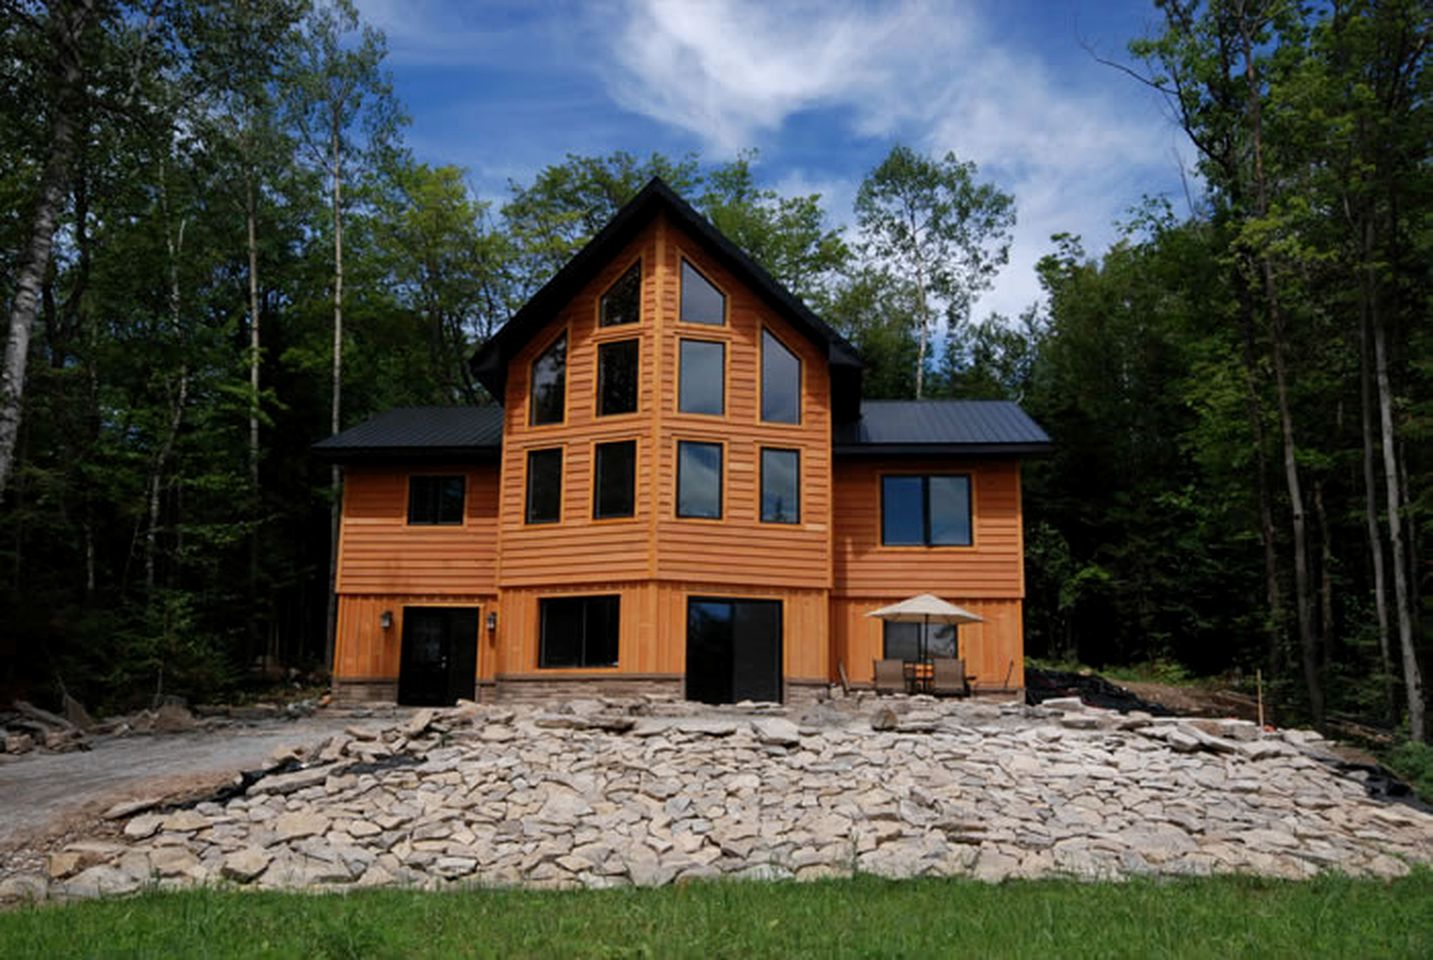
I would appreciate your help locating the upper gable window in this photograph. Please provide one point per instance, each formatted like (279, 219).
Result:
(780, 381)
(622, 303)
(701, 301)
(549, 383)
(435, 500)
(617, 371)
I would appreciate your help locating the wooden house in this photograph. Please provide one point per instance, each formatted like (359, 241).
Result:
(680, 491)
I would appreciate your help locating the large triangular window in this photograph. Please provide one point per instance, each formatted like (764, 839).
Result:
(702, 302)
(622, 303)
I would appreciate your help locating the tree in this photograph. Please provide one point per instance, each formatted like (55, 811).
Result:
(934, 229)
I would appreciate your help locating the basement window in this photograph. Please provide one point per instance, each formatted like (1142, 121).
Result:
(902, 641)
(579, 631)
(435, 501)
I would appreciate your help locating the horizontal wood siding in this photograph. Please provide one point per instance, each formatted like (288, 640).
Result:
(991, 568)
(990, 649)
(380, 553)
(363, 650)
(739, 548)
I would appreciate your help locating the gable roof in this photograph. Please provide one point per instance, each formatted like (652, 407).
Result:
(420, 433)
(892, 427)
(489, 363)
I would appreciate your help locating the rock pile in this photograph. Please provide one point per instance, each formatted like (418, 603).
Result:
(635, 792)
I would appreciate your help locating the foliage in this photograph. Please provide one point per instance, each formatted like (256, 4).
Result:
(1414, 763)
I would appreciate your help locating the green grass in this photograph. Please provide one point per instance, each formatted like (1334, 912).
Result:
(1220, 917)
(1167, 672)
(1413, 762)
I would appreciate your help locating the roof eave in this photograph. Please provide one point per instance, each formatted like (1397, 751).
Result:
(391, 454)
(939, 449)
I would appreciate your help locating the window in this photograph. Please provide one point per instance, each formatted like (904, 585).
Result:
(617, 377)
(701, 301)
(622, 301)
(902, 641)
(615, 480)
(549, 383)
(780, 486)
(702, 388)
(578, 631)
(780, 381)
(699, 480)
(435, 500)
(929, 511)
(544, 485)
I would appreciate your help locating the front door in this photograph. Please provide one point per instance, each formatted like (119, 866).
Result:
(733, 650)
(440, 655)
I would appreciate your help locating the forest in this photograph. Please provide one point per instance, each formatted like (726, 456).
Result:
(216, 249)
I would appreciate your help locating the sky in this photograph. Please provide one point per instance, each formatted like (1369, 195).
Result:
(821, 90)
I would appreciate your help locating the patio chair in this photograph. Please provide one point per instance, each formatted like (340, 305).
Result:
(890, 676)
(948, 677)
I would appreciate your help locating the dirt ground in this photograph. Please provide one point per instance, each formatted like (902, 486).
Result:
(41, 793)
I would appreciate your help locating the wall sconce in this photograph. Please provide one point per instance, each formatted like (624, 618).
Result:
(492, 620)
(385, 619)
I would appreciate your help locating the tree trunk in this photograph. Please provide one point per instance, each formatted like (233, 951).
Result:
(1326, 631)
(921, 309)
(1370, 503)
(251, 218)
(175, 244)
(335, 479)
(70, 24)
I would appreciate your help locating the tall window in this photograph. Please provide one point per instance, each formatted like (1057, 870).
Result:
(703, 374)
(702, 302)
(617, 377)
(926, 511)
(549, 383)
(699, 480)
(435, 500)
(780, 486)
(578, 631)
(902, 641)
(780, 381)
(615, 482)
(622, 301)
(544, 485)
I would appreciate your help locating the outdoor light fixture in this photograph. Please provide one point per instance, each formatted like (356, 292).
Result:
(492, 619)
(385, 619)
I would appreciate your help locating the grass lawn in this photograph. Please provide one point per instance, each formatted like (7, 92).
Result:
(1220, 917)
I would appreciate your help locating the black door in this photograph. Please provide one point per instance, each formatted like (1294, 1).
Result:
(440, 655)
(733, 650)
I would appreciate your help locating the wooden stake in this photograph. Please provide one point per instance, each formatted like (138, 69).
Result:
(1259, 687)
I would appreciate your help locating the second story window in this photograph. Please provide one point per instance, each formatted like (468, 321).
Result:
(615, 480)
(699, 480)
(703, 374)
(435, 501)
(780, 486)
(780, 381)
(544, 485)
(622, 303)
(925, 510)
(617, 369)
(702, 302)
(549, 384)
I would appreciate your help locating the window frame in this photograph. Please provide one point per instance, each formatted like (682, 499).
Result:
(597, 479)
(924, 628)
(725, 376)
(636, 265)
(532, 381)
(462, 520)
(725, 297)
(925, 477)
(761, 453)
(602, 345)
(542, 613)
(721, 482)
(761, 382)
(527, 519)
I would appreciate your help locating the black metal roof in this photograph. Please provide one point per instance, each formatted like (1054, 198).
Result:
(885, 428)
(420, 433)
(891, 427)
(489, 363)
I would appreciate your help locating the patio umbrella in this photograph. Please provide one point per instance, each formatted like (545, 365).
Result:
(925, 609)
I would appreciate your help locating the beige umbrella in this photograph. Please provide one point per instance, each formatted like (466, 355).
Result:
(925, 609)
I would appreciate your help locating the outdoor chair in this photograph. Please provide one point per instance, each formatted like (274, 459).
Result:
(890, 676)
(948, 677)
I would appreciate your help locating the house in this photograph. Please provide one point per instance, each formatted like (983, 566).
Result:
(681, 491)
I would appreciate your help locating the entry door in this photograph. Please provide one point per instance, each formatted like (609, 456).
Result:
(733, 650)
(440, 655)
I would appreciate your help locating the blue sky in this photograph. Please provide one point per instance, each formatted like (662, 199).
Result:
(821, 89)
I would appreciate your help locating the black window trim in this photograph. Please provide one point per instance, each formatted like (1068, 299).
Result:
(604, 344)
(761, 381)
(597, 479)
(462, 511)
(636, 265)
(542, 630)
(725, 298)
(721, 481)
(925, 543)
(527, 485)
(725, 364)
(532, 383)
(761, 485)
